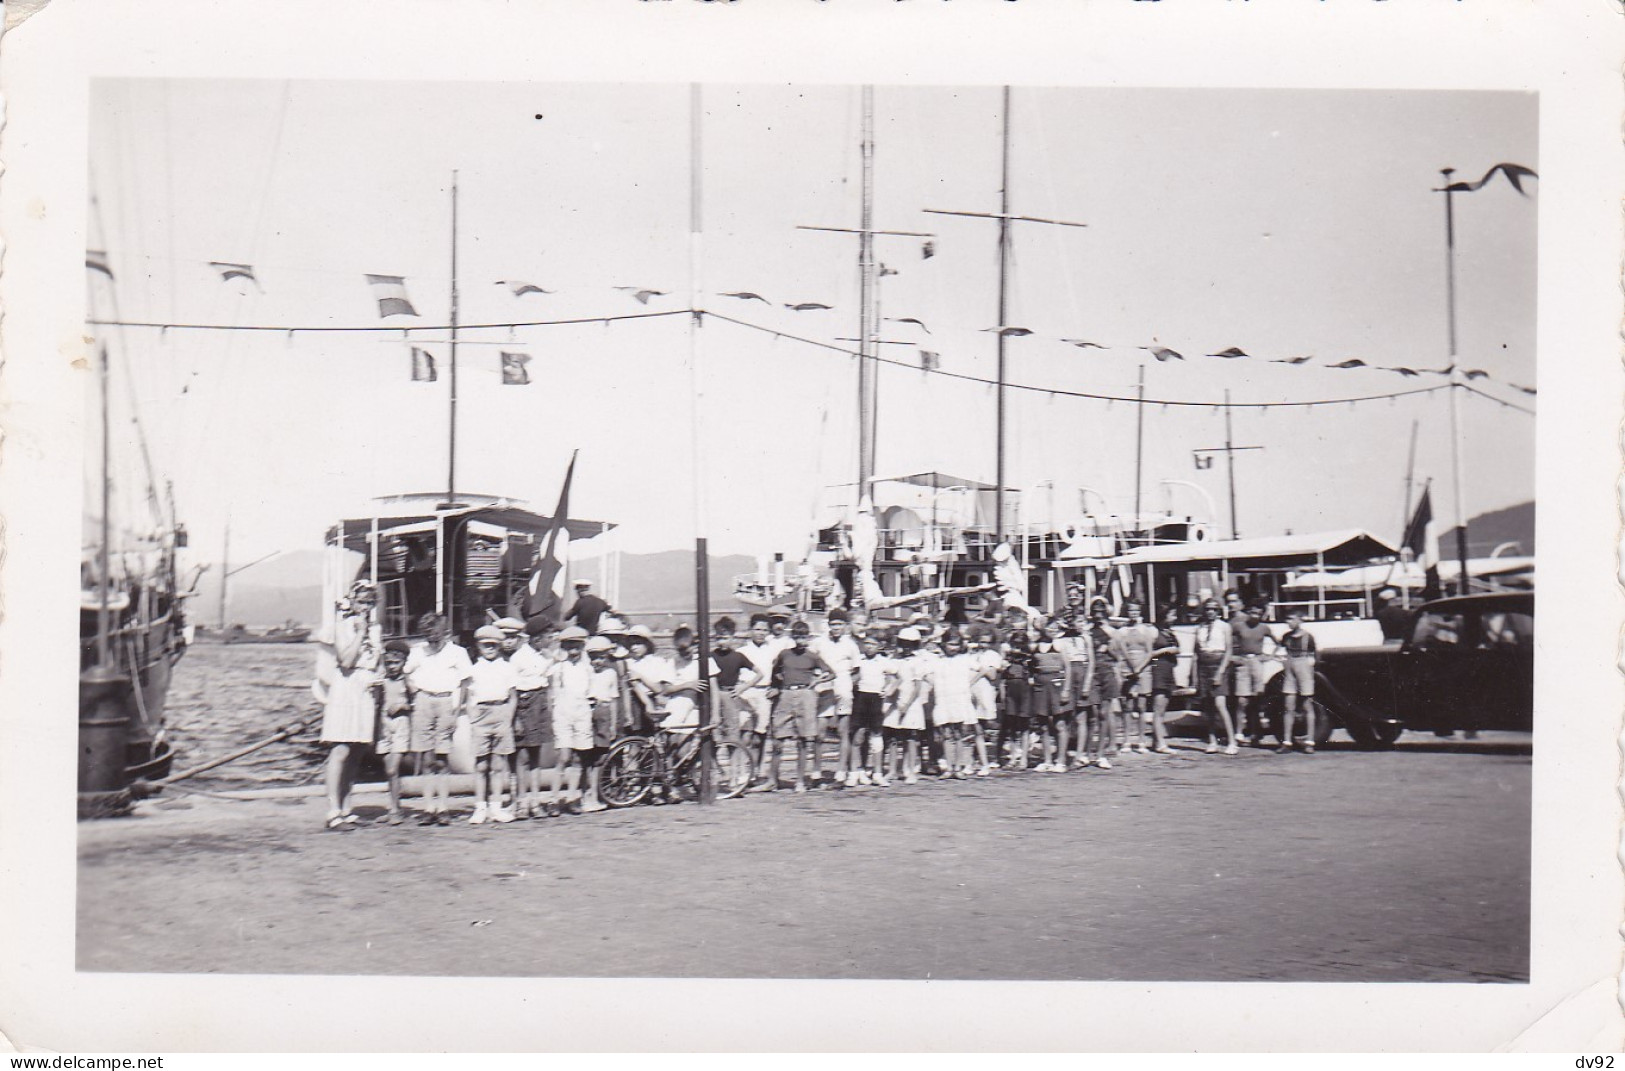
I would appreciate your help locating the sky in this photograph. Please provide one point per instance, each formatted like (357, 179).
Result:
(1287, 223)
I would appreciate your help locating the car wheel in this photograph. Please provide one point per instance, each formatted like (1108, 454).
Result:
(1361, 733)
(1386, 734)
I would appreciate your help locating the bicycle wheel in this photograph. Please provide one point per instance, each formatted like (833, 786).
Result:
(627, 772)
(730, 768)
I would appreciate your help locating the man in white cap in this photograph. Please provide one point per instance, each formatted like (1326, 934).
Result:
(588, 607)
(493, 688)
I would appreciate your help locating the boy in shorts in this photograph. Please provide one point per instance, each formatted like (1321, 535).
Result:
(840, 653)
(392, 697)
(492, 694)
(875, 680)
(571, 682)
(1299, 679)
(796, 672)
(735, 673)
(533, 719)
(1252, 641)
(438, 671)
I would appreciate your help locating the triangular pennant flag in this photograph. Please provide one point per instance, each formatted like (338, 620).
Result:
(1290, 360)
(1526, 390)
(910, 320)
(228, 272)
(1083, 344)
(1231, 353)
(520, 289)
(423, 366)
(1406, 372)
(1515, 174)
(1009, 332)
(747, 295)
(1163, 353)
(514, 372)
(390, 290)
(1352, 362)
(96, 260)
(1476, 373)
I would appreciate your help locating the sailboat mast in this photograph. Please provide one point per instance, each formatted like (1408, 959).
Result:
(1004, 300)
(866, 311)
(1139, 443)
(451, 423)
(1410, 479)
(225, 572)
(105, 563)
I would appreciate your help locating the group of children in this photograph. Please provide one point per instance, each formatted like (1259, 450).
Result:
(902, 702)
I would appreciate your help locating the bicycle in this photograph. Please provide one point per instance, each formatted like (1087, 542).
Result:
(670, 760)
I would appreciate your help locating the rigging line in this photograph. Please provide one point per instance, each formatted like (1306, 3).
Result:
(1065, 393)
(1493, 398)
(386, 328)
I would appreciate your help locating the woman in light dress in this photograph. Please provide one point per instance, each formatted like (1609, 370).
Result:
(349, 714)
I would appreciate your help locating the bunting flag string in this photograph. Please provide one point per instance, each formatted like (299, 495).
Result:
(393, 300)
(1091, 395)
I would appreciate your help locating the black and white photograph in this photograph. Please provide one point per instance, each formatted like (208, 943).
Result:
(840, 528)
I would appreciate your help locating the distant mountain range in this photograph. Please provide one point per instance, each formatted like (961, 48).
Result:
(288, 587)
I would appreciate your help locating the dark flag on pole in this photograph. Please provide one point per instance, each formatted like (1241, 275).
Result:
(514, 372)
(423, 368)
(1423, 542)
(542, 601)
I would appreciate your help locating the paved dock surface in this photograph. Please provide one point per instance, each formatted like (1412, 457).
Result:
(1407, 865)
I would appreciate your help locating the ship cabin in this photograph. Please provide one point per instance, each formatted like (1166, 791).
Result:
(471, 559)
(934, 531)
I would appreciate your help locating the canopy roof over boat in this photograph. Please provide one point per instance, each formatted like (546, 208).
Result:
(408, 513)
(1515, 570)
(938, 480)
(1346, 546)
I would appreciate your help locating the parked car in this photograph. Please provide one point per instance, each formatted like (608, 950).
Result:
(1466, 662)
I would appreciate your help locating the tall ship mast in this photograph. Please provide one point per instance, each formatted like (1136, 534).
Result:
(132, 621)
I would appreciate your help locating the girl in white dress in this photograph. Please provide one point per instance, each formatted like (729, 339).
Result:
(905, 724)
(952, 676)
